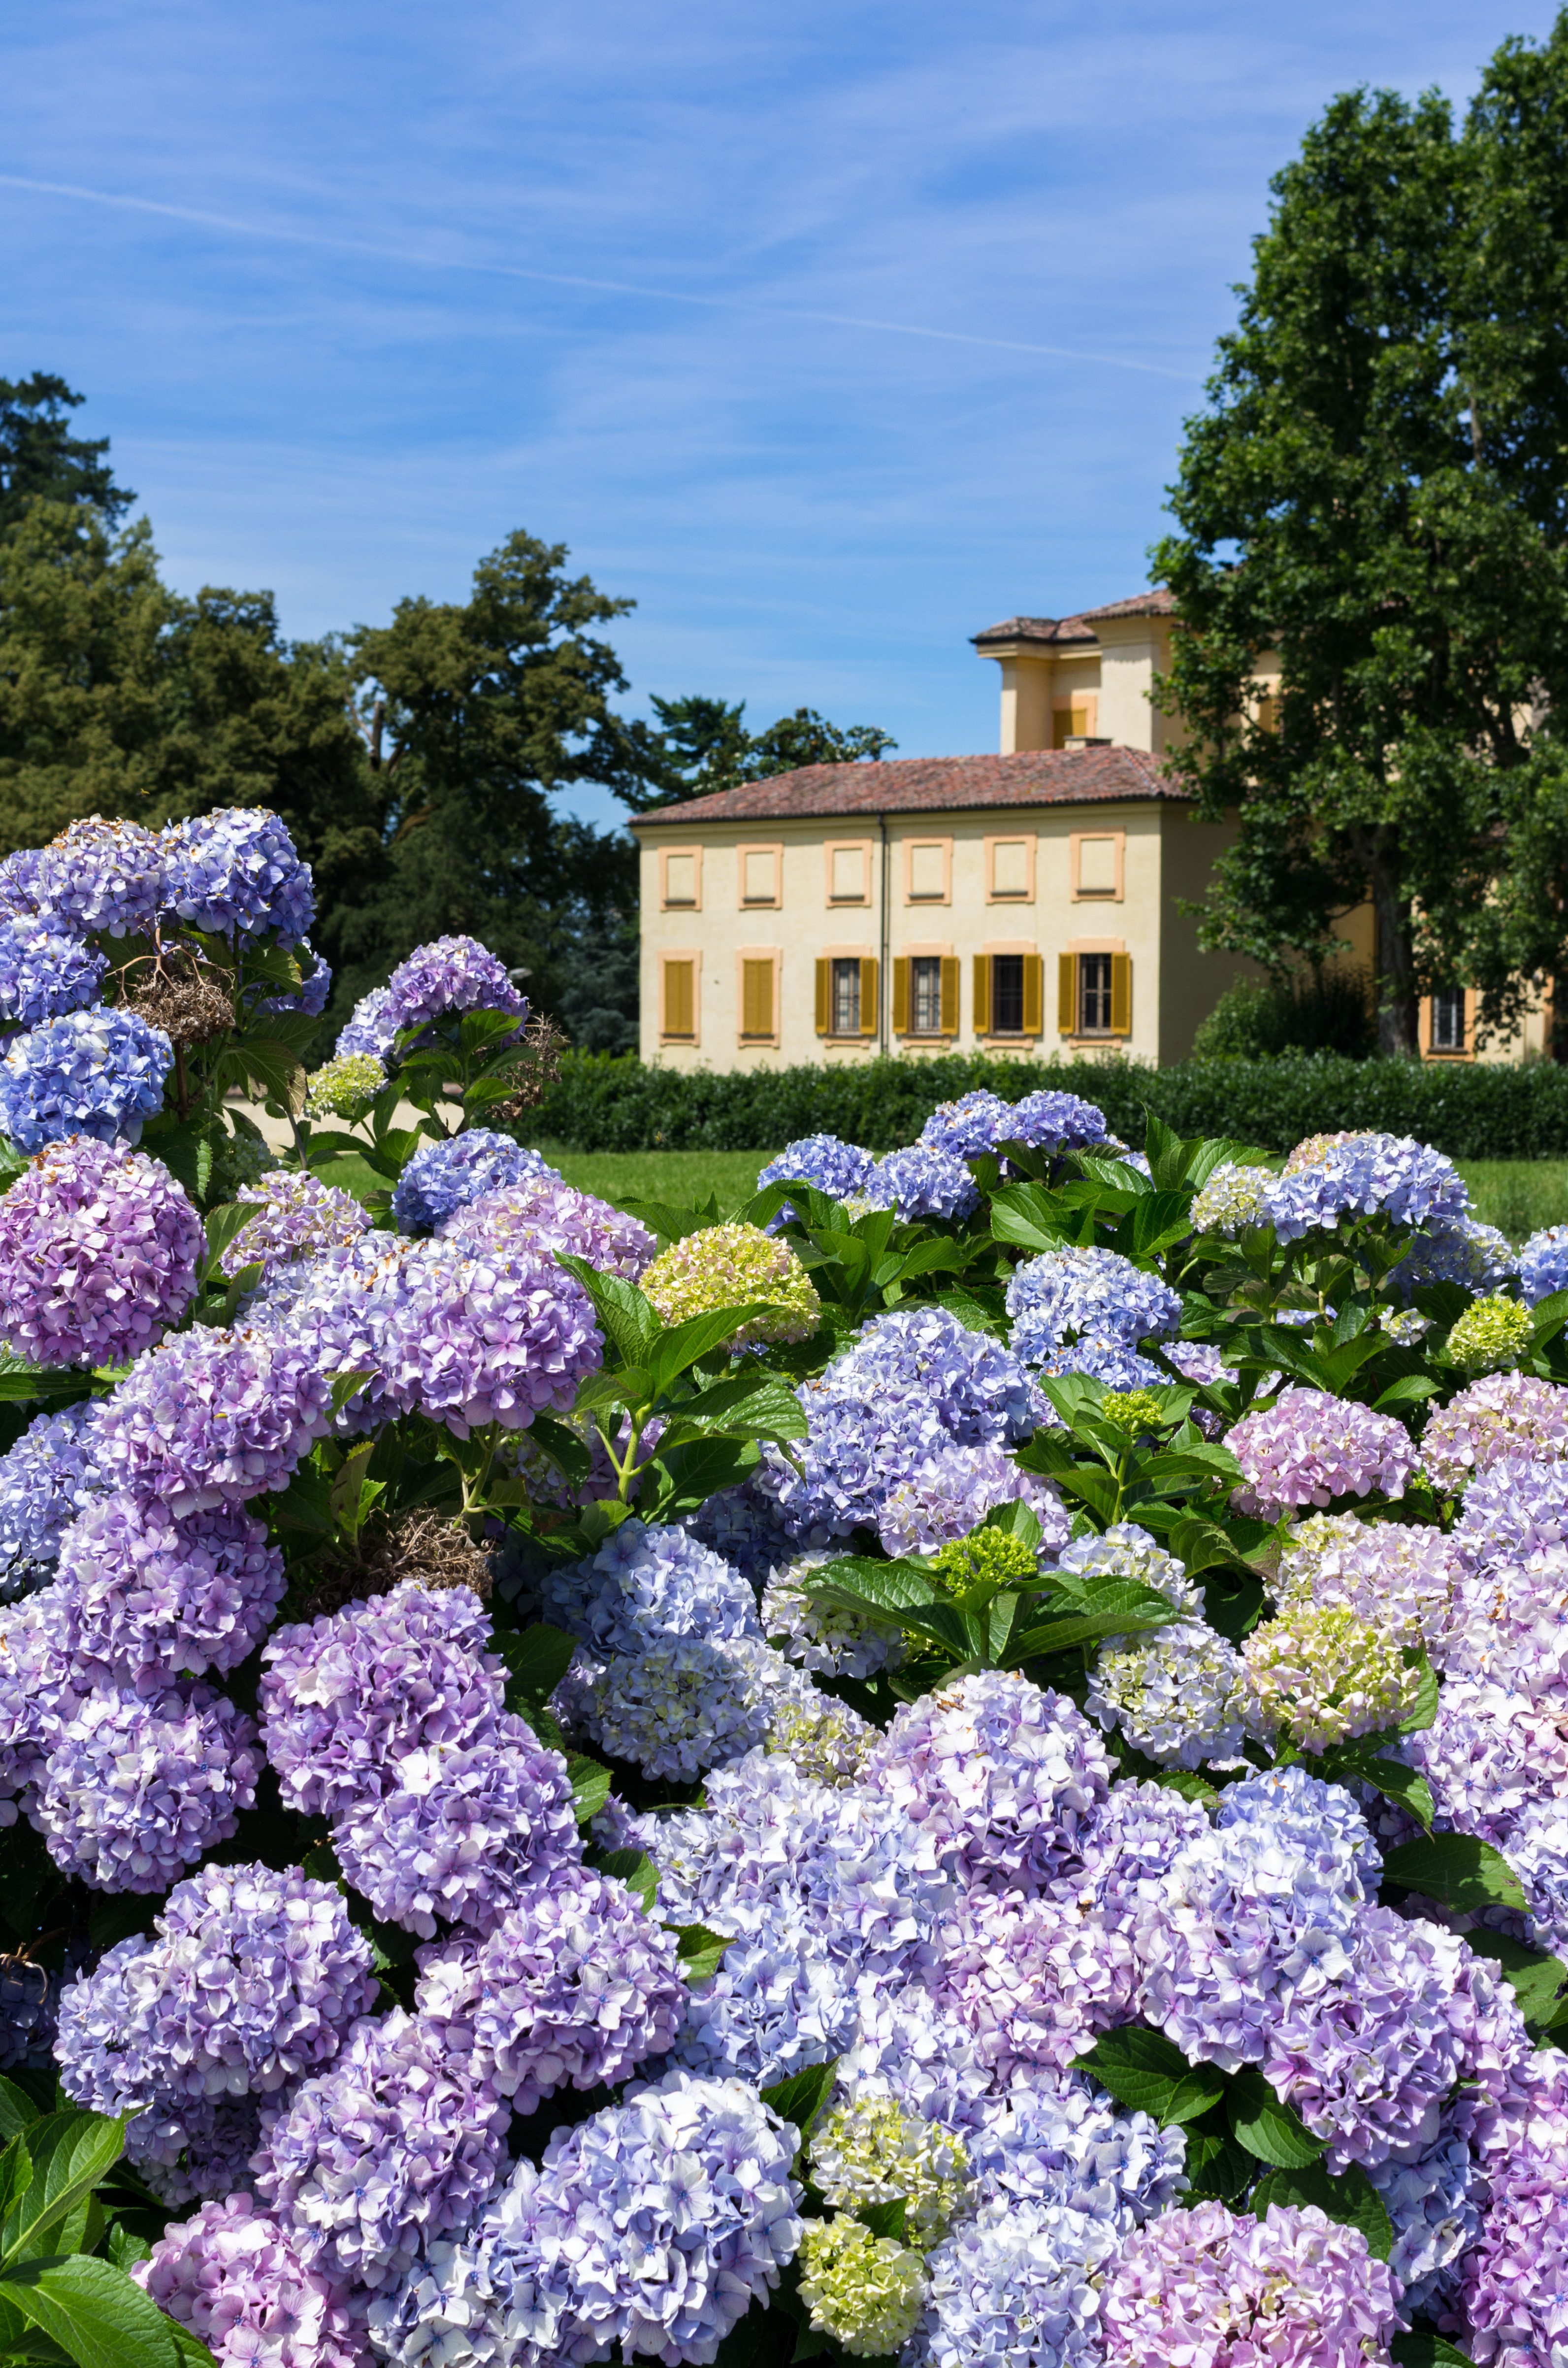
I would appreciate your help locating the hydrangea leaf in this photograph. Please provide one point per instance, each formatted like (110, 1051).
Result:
(590, 1786)
(1147, 2072)
(885, 2219)
(1420, 2348)
(1538, 1980)
(70, 2152)
(97, 2314)
(674, 1352)
(18, 2111)
(625, 1317)
(16, 2176)
(700, 1951)
(1350, 2198)
(1030, 1218)
(632, 1867)
(538, 1658)
(1462, 1872)
(1217, 2166)
(801, 2098)
(1268, 2127)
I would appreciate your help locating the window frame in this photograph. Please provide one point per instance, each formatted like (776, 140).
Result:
(680, 954)
(1464, 1050)
(773, 956)
(773, 847)
(861, 847)
(929, 838)
(1078, 894)
(668, 903)
(1028, 841)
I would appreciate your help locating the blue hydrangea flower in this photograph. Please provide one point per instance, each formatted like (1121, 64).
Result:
(45, 973)
(968, 1128)
(1368, 1175)
(314, 991)
(102, 875)
(1431, 2190)
(1016, 2287)
(444, 979)
(368, 1029)
(1062, 2145)
(48, 1478)
(99, 1073)
(1049, 1120)
(645, 1583)
(923, 1182)
(1455, 1250)
(824, 1161)
(1088, 1294)
(1543, 1264)
(138, 1788)
(443, 1177)
(21, 898)
(778, 2003)
(237, 874)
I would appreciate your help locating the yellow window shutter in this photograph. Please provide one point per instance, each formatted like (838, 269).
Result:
(1034, 995)
(949, 995)
(983, 995)
(870, 1019)
(822, 1013)
(1066, 992)
(1121, 995)
(756, 999)
(678, 998)
(901, 996)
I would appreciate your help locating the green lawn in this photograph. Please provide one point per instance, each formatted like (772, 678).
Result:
(1518, 1195)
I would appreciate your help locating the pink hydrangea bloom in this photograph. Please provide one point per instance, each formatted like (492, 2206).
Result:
(1309, 1448)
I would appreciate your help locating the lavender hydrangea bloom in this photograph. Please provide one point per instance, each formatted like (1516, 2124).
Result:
(1016, 2287)
(545, 1215)
(368, 1030)
(1431, 2190)
(100, 1250)
(98, 1073)
(1175, 1694)
(1034, 1979)
(1538, 1852)
(824, 1161)
(1049, 1121)
(138, 1788)
(41, 1690)
(396, 2144)
(1059, 2146)
(1005, 1778)
(1457, 1250)
(922, 1183)
(1515, 1509)
(297, 1215)
(645, 1583)
(572, 1984)
(1501, 1414)
(237, 874)
(1397, 1576)
(949, 1492)
(1302, 2285)
(1309, 1447)
(214, 1416)
(461, 1834)
(314, 991)
(981, 1391)
(1487, 1755)
(148, 1592)
(968, 1128)
(48, 1478)
(443, 1177)
(20, 896)
(1544, 1265)
(818, 1636)
(1093, 1294)
(1514, 2282)
(102, 875)
(43, 974)
(681, 1705)
(1367, 1175)
(777, 2003)
(250, 1981)
(236, 2277)
(441, 980)
(348, 1694)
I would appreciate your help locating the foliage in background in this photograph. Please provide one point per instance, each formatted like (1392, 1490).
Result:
(39, 458)
(1310, 1011)
(1376, 494)
(702, 745)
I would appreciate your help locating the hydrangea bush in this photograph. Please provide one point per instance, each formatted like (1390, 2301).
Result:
(966, 1761)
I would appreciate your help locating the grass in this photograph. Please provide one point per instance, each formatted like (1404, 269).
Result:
(1518, 1196)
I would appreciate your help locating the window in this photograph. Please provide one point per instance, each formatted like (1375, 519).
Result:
(1007, 994)
(1447, 1019)
(1097, 860)
(846, 997)
(849, 872)
(1009, 871)
(1008, 990)
(1093, 995)
(760, 869)
(678, 1018)
(929, 861)
(756, 997)
(1071, 721)
(682, 868)
(925, 994)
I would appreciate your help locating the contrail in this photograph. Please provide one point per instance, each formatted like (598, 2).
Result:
(576, 279)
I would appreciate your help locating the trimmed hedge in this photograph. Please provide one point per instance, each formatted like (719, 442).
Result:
(612, 1102)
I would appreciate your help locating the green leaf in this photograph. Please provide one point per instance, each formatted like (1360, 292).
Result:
(590, 1786)
(22, 1382)
(885, 2219)
(538, 1659)
(70, 2152)
(348, 1386)
(801, 2098)
(1390, 1777)
(1462, 1873)
(16, 2176)
(1350, 2198)
(626, 1317)
(1217, 2166)
(96, 2312)
(1422, 2349)
(221, 1225)
(1029, 1217)
(124, 2248)
(1407, 1391)
(305, 1504)
(570, 1454)
(1145, 2070)
(1538, 1980)
(1268, 2127)
(635, 1868)
(685, 1478)
(664, 1218)
(18, 2111)
(683, 1345)
(700, 1951)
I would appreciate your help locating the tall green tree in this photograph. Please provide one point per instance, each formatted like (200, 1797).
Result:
(1366, 496)
(41, 461)
(702, 744)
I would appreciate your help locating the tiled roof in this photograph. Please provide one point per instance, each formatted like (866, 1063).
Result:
(1080, 628)
(934, 785)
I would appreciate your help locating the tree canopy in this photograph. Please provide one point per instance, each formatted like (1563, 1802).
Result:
(702, 745)
(1376, 494)
(41, 461)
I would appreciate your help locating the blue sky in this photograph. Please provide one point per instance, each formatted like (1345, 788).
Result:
(827, 334)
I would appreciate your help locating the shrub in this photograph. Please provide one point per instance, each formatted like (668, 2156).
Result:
(1313, 1011)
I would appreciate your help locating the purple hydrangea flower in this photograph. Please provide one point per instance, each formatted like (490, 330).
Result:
(1034, 1979)
(1544, 1265)
(137, 1788)
(48, 1478)
(680, 1705)
(1309, 1448)
(1016, 2286)
(45, 973)
(1394, 1575)
(460, 1833)
(777, 2003)
(1004, 1777)
(1431, 2190)
(251, 1980)
(443, 1177)
(211, 1417)
(1487, 1755)
(949, 1492)
(1517, 1509)
(1513, 2284)
(1059, 2146)
(1298, 2282)
(1364, 1176)
(314, 991)
(396, 2144)
(1501, 1413)
(368, 1029)
(645, 1583)
(1454, 1249)
(100, 875)
(543, 1216)
(347, 1695)
(573, 1983)
(20, 896)
(236, 2277)
(100, 1250)
(442, 980)
(825, 1162)
(148, 1592)
(922, 1183)
(819, 1637)
(1538, 1852)
(98, 1073)
(297, 1215)
(1086, 1294)
(41, 1690)
(237, 874)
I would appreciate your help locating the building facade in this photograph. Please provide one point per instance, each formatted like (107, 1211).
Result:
(1023, 902)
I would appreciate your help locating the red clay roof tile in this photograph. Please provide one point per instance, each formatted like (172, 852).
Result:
(934, 785)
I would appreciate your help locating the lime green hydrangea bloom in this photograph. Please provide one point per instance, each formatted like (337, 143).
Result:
(345, 1089)
(1231, 1201)
(990, 1555)
(725, 1266)
(872, 2151)
(1132, 1410)
(1318, 1675)
(866, 2292)
(1491, 1336)
(825, 1739)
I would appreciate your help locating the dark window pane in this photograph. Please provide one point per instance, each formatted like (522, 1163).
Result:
(1007, 994)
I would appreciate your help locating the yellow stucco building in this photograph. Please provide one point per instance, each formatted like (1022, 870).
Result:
(1023, 902)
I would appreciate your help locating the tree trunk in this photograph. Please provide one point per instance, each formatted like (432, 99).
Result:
(1398, 1021)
